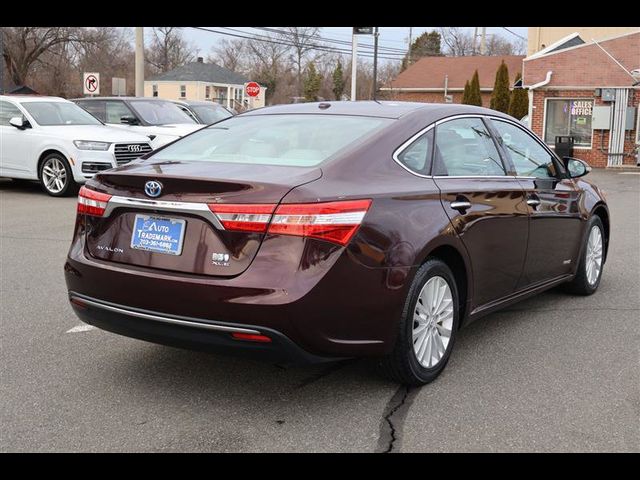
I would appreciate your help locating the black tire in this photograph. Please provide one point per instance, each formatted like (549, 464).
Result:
(580, 284)
(70, 186)
(402, 365)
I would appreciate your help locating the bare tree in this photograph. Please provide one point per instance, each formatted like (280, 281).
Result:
(230, 54)
(304, 41)
(457, 42)
(498, 45)
(169, 49)
(24, 47)
(269, 64)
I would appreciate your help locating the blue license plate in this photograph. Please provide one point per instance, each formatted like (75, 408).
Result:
(158, 234)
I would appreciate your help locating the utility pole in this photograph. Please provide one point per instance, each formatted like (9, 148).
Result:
(139, 61)
(410, 42)
(375, 61)
(483, 41)
(475, 40)
(354, 64)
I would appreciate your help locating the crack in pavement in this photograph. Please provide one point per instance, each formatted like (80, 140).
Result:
(393, 420)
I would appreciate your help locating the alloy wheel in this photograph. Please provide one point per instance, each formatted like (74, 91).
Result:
(432, 322)
(54, 175)
(593, 262)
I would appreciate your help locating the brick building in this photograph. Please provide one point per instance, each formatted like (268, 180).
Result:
(431, 78)
(590, 91)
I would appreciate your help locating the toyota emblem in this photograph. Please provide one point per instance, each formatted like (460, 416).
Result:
(153, 188)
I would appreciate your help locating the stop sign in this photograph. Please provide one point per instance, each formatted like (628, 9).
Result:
(252, 89)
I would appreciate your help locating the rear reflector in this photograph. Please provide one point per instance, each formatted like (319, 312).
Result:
(335, 222)
(243, 217)
(91, 202)
(251, 337)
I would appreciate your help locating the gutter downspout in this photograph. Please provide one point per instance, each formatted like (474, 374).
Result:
(530, 89)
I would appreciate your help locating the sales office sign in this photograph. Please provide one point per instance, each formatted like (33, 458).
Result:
(581, 108)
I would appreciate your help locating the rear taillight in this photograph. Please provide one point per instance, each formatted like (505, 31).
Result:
(91, 202)
(335, 222)
(243, 217)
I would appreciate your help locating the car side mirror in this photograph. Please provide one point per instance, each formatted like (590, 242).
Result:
(576, 167)
(20, 122)
(129, 120)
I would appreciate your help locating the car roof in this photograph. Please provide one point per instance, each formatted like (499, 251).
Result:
(366, 108)
(32, 98)
(154, 99)
(197, 102)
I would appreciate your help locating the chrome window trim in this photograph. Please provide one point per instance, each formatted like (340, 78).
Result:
(162, 318)
(407, 143)
(199, 209)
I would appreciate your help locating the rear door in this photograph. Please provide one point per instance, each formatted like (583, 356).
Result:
(486, 206)
(553, 204)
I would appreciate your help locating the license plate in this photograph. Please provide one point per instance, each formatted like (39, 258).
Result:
(158, 234)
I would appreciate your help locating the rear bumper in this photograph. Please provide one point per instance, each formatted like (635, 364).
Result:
(186, 332)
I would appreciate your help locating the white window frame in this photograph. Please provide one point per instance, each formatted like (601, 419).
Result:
(207, 91)
(154, 90)
(183, 90)
(544, 120)
(638, 125)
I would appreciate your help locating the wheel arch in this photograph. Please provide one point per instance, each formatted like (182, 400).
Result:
(45, 153)
(601, 210)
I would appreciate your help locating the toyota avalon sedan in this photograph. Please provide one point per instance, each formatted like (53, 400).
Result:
(330, 230)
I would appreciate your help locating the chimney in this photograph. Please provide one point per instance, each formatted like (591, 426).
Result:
(200, 60)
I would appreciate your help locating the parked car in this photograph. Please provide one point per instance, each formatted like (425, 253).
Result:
(204, 112)
(160, 120)
(525, 121)
(328, 230)
(56, 142)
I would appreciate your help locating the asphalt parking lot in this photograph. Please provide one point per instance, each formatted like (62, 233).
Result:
(554, 373)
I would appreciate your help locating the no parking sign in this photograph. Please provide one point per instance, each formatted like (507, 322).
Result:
(91, 83)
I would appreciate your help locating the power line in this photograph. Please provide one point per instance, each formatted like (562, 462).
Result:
(514, 33)
(280, 42)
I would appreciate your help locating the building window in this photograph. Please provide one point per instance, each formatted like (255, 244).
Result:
(183, 91)
(207, 92)
(569, 117)
(155, 90)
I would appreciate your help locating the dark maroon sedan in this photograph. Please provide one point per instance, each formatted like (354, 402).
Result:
(331, 230)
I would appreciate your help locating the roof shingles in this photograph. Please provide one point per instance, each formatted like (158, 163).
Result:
(429, 72)
(202, 72)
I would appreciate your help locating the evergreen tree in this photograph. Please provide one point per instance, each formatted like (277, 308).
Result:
(475, 98)
(465, 94)
(519, 102)
(338, 81)
(312, 83)
(426, 45)
(500, 94)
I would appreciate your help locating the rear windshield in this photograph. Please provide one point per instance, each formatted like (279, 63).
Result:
(294, 140)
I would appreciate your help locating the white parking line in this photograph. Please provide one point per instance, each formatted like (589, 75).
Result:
(628, 173)
(81, 328)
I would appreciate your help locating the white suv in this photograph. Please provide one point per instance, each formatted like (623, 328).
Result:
(56, 142)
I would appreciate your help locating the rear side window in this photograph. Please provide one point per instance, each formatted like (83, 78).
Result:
(417, 156)
(116, 110)
(293, 140)
(464, 147)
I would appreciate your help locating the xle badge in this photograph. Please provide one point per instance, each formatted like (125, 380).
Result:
(220, 259)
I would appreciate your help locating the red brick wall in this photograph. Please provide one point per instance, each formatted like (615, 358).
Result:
(593, 156)
(436, 97)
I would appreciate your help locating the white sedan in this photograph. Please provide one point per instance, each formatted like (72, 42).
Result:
(58, 143)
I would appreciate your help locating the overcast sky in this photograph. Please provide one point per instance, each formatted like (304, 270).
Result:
(390, 37)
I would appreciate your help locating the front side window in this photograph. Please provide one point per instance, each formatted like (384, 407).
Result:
(569, 117)
(417, 156)
(7, 112)
(464, 147)
(116, 110)
(529, 157)
(291, 140)
(59, 113)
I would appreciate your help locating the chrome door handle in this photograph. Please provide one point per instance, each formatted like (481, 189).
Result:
(533, 202)
(460, 205)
